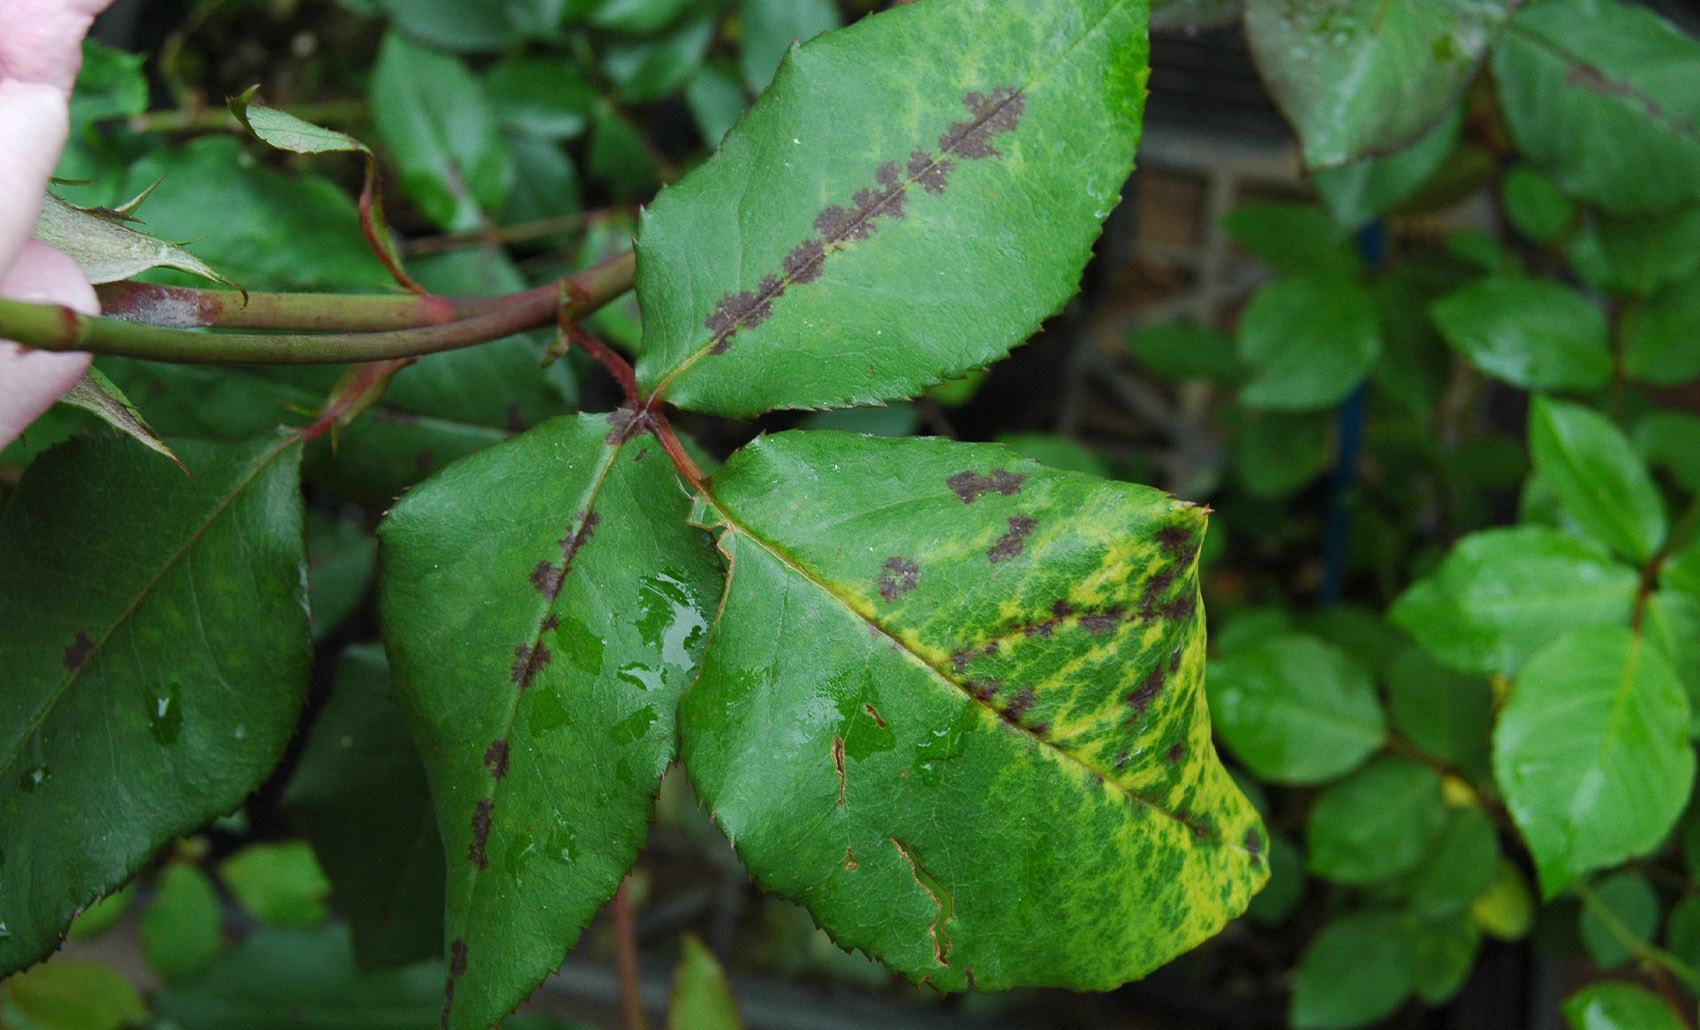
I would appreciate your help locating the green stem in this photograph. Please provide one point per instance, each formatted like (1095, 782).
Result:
(1678, 537)
(51, 327)
(1639, 949)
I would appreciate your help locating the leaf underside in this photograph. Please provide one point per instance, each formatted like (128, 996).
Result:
(954, 705)
(834, 254)
(544, 604)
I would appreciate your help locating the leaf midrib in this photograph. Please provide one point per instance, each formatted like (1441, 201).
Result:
(845, 600)
(153, 581)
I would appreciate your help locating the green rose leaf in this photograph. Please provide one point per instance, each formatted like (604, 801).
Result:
(1309, 339)
(1619, 1006)
(1672, 622)
(1446, 713)
(281, 884)
(1294, 239)
(544, 604)
(1535, 206)
(1622, 903)
(771, 26)
(1445, 954)
(75, 994)
(379, 844)
(1532, 333)
(702, 999)
(1368, 188)
(832, 255)
(1459, 868)
(168, 611)
(1503, 594)
(953, 706)
(1296, 710)
(1355, 972)
(1603, 483)
(101, 397)
(1662, 343)
(1376, 823)
(1361, 77)
(1600, 94)
(1592, 752)
(182, 927)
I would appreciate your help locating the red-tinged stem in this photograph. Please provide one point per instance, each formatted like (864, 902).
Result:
(625, 943)
(176, 307)
(602, 354)
(675, 450)
(51, 327)
(376, 229)
(359, 389)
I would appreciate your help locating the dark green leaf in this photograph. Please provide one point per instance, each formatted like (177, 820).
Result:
(543, 606)
(1309, 340)
(1376, 823)
(1671, 440)
(1531, 333)
(649, 69)
(1619, 1006)
(1356, 971)
(618, 155)
(1681, 571)
(378, 844)
(702, 999)
(1534, 205)
(280, 884)
(771, 26)
(1637, 255)
(440, 129)
(546, 97)
(1296, 710)
(716, 102)
(1602, 481)
(1445, 713)
(1662, 340)
(637, 17)
(1682, 930)
(1183, 351)
(483, 27)
(835, 255)
(75, 994)
(182, 927)
(1415, 364)
(1599, 93)
(341, 558)
(1364, 634)
(1459, 868)
(1294, 239)
(1286, 887)
(303, 980)
(1630, 908)
(169, 612)
(1445, 954)
(1360, 77)
(927, 652)
(1592, 752)
(1368, 188)
(1503, 594)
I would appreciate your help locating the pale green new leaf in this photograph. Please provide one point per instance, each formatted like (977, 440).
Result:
(1592, 752)
(836, 253)
(953, 705)
(702, 999)
(544, 604)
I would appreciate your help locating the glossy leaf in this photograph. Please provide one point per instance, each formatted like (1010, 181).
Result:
(1355, 972)
(378, 844)
(1503, 594)
(1377, 823)
(1309, 339)
(833, 255)
(545, 97)
(1628, 902)
(1592, 752)
(1296, 710)
(1360, 77)
(431, 111)
(181, 929)
(174, 621)
(702, 999)
(1532, 333)
(303, 979)
(1602, 481)
(1599, 92)
(1619, 1006)
(543, 606)
(953, 705)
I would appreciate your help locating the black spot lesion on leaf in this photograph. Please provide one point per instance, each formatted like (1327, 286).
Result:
(838, 764)
(496, 759)
(79, 651)
(839, 225)
(1014, 542)
(900, 576)
(970, 486)
(547, 579)
(457, 969)
(529, 660)
(480, 833)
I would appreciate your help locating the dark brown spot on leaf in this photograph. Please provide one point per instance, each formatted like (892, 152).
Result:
(1141, 699)
(550, 621)
(803, 264)
(1156, 587)
(901, 576)
(989, 115)
(931, 174)
(1253, 843)
(1012, 543)
(496, 758)
(1178, 542)
(970, 486)
(1062, 609)
(1175, 660)
(547, 578)
(1019, 704)
(78, 652)
(838, 763)
(480, 833)
(1123, 758)
(625, 424)
(457, 958)
(1177, 752)
(984, 690)
(1181, 608)
(516, 418)
(850, 863)
(1101, 622)
(873, 713)
(528, 662)
(643, 452)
